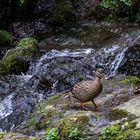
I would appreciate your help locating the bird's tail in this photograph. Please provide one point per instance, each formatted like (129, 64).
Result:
(68, 90)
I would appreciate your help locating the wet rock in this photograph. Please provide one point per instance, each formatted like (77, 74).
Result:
(131, 106)
(62, 111)
(58, 112)
(30, 29)
(17, 60)
(23, 29)
(131, 63)
(4, 88)
(44, 7)
(16, 101)
(62, 69)
(128, 110)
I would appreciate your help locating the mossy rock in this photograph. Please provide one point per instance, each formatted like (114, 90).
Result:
(116, 132)
(134, 80)
(15, 136)
(116, 114)
(26, 42)
(17, 60)
(123, 126)
(5, 37)
(70, 123)
(55, 112)
(45, 114)
(3, 69)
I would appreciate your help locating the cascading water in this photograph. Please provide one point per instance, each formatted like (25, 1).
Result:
(77, 54)
(116, 62)
(55, 71)
(6, 107)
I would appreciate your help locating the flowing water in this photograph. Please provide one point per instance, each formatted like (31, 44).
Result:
(59, 69)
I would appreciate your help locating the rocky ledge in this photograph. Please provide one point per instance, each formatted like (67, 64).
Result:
(61, 117)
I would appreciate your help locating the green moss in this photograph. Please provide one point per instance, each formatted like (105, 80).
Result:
(131, 79)
(45, 114)
(17, 60)
(3, 69)
(1, 135)
(115, 132)
(10, 59)
(5, 37)
(52, 99)
(124, 129)
(26, 42)
(110, 132)
(116, 114)
(15, 136)
(50, 114)
(52, 134)
(71, 123)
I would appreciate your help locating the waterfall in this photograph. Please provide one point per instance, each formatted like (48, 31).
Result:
(117, 61)
(6, 107)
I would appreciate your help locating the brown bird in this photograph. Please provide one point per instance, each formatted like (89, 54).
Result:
(88, 90)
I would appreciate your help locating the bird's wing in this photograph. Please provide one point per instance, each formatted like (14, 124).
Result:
(82, 89)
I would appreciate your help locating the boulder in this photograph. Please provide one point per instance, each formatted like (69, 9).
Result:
(18, 59)
(131, 63)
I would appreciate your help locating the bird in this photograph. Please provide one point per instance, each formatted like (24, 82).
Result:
(88, 90)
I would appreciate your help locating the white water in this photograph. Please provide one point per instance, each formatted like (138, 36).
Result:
(67, 53)
(6, 107)
(63, 53)
(117, 61)
(110, 58)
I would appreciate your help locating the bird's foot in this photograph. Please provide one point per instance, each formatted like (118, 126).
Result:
(96, 107)
(83, 106)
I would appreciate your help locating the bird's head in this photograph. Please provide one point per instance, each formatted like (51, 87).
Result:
(99, 73)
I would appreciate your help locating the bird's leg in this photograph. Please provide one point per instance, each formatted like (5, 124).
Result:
(96, 107)
(83, 106)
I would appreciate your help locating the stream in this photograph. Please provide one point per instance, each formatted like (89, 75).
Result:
(67, 59)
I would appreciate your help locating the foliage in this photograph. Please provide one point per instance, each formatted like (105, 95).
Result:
(5, 36)
(110, 131)
(131, 79)
(72, 126)
(52, 134)
(74, 134)
(127, 2)
(118, 132)
(63, 13)
(114, 3)
(115, 132)
(112, 7)
(21, 2)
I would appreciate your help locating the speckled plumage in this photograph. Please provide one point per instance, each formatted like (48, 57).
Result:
(88, 90)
